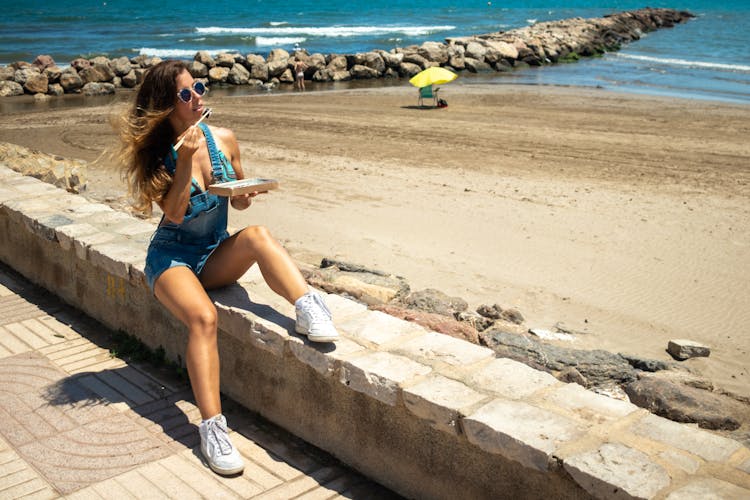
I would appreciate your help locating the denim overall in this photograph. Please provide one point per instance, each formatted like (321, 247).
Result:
(204, 227)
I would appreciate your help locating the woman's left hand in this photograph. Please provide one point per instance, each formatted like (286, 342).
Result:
(242, 201)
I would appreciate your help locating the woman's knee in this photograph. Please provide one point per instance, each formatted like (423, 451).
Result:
(257, 236)
(203, 320)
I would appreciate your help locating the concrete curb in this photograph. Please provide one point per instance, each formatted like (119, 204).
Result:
(424, 414)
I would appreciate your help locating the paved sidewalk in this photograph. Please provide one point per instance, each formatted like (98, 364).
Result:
(79, 422)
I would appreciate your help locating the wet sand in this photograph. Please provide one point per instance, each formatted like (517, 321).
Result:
(622, 216)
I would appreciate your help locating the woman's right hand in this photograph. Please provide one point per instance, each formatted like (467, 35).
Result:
(193, 137)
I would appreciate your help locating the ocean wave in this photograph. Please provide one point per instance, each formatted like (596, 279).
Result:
(332, 31)
(277, 23)
(181, 53)
(684, 62)
(278, 40)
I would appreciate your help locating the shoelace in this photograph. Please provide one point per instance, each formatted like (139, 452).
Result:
(320, 313)
(216, 432)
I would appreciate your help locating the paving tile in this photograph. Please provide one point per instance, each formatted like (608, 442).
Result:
(302, 484)
(41, 327)
(188, 467)
(12, 343)
(27, 336)
(92, 453)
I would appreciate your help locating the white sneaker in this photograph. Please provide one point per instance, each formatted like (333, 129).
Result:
(314, 319)
(222, 457)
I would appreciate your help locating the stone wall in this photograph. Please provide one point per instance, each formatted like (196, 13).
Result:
(427, 415)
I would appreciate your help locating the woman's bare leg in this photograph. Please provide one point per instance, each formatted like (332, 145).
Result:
(181, 292)
(254, 244)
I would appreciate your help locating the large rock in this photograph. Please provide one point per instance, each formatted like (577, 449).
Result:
(682, 349)
(435, 322)
(599, 368)
(415, 58)
(21, 76)
(9, 88)
(369, 286)
(197, 69)
(238, 75)
(407, 69)
(337, 63)
(476, 66)
(70, 80)
(36, 84)
(434, 51)
(205, 58)
(7, 73)
(276, 67)
(121, 66)
(475, 50)
(225, 60)
(391, 60)
(435, 302)
(218, 74)
(360, 72)
(61, 172)
(684, 404)
(98, 88)
(97, 73)
(496, 311)
(130, 80)
(53, 73)
(277, 55)
(43, 61)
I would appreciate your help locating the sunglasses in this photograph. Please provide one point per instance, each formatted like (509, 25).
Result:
(186, 94)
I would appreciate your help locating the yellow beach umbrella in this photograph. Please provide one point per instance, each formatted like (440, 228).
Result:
(434, 75)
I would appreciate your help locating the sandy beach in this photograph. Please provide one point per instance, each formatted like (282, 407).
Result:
(625, 217)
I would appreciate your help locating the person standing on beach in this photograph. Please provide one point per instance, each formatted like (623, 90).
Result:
(299, 75)
(191, 250)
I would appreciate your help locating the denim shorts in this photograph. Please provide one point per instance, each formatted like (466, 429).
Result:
(167, 250)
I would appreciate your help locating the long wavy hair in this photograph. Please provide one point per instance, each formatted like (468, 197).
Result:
(146, 135)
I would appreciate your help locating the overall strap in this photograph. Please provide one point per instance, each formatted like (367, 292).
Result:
(213, 152)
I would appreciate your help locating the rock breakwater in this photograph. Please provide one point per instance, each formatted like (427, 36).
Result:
(540, 44)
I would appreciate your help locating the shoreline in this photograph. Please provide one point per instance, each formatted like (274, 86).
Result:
(623, 216)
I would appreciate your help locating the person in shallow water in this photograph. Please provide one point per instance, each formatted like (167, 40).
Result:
(191, 250)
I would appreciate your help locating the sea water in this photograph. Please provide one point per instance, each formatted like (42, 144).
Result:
(705, 58)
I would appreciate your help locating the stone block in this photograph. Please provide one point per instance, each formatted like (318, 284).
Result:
(439, 400)
(380, 374)
(435, 348)
(511, 379)
(587, 405)
(377, 328)
(82, 243)
(116, 257)
(682, 349)
(520, 432)
(681, 460)
(342, 308)
(706, 445)
(709, 489)
(617, 471)
(745, 466)
(323, 357)
(268, 331)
